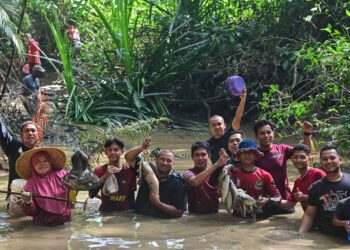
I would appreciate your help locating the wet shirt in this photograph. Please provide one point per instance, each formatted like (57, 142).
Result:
(30, 85)
(12, 149)
(255, 183)
(124, 199)
(274, 161)
(45, 218)
(343, 209)
(33, 52)
(304, 183)
(325, 196)
(203, 198)
(171, 192)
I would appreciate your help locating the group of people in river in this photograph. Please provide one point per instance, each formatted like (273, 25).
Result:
(260, 171)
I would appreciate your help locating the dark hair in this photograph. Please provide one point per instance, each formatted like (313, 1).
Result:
(114, 140)
(233, 132)
(325, 148)
(27, 123)
(301, 147)
(162, 151)
(262, 123)
(200, 144)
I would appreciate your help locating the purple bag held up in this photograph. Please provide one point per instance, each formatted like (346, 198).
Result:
(235, 85)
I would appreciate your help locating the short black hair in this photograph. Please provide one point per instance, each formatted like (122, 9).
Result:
(325, 148)
(114, 140)
(200, 144)
(262, 123)
(301, 147)
(233, 132)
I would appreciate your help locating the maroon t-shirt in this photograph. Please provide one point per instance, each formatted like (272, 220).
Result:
(274, 161)
(256, 183)
(204, 198)
(304, 183)
(124, 199)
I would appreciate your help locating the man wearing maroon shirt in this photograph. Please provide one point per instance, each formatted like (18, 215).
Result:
(202, 197)
(275, 156)
(256, 182)
(124, 198)
(308, 175)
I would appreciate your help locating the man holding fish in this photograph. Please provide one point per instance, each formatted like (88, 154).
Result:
(162, 192)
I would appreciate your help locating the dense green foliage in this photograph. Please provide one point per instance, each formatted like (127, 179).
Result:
(154, 58)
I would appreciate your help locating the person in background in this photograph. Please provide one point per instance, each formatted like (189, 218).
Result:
(234, 139)
(33, 52)
(171, 200)
(325, 194)
(31, 85)
(202, 197)
(124, 198)
(308, 175)
(43, 168)
(74, 38)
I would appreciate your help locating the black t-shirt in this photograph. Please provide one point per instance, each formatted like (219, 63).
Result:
(30, 85)
(12, 149)
(171, 192)
(343, 209)
(325, 196)
(215, 146)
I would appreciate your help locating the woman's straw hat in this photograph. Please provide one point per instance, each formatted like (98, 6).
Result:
(24, 164)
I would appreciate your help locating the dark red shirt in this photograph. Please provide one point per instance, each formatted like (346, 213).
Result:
(304, 183)
(33, 52)
(274, 161)
(124, 199)
(45, 218)
(256, 183)
(204, 198)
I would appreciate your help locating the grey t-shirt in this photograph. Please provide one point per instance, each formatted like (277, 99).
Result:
(30, 85)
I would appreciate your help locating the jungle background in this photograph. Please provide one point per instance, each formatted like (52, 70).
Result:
(146, 62)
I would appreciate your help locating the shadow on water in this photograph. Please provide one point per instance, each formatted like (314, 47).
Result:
(92, 230)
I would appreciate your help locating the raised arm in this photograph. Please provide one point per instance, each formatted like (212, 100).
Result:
(6, 139)
(197, 180)
(236, 122)
(131, 155)
(307, 128)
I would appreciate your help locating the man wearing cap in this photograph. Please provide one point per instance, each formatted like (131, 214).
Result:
(13, 148)
(256, 182)
(31, 85)
(33, 51)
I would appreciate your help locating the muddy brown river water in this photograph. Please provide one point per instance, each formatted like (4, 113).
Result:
(91, 230)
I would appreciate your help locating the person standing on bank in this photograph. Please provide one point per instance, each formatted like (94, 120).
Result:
(13, 148)
(33, 52)
(31, 86)
(171, 200)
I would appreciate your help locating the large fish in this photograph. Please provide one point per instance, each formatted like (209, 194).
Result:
(81, 176)
(150, 177)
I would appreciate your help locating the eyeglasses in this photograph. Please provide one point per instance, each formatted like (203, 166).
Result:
(235, 140)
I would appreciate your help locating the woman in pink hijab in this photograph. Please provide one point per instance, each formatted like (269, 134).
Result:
(43, 170)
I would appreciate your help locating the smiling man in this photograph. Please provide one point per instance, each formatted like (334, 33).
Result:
(326, 193)
(171, 200)
(275, 156)
(14, 148)
(201, 195)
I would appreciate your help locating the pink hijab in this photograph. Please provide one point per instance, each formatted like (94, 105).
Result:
(47, 185)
